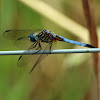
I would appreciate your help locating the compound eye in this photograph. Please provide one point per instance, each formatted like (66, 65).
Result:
(32, 37)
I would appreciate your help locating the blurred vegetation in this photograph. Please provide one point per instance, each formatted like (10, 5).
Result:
(58, 77)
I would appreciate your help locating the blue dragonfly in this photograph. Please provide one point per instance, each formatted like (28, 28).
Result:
(36, 40)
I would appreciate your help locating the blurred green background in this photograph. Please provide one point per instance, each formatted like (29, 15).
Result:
(57, 77)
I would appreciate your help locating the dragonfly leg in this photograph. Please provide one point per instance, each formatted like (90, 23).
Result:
(19, 57)
(33, 46)
(38, 48)
(50, 47)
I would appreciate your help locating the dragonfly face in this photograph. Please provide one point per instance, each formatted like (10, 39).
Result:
(32, 37)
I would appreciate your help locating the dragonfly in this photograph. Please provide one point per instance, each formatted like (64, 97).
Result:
(37, 39)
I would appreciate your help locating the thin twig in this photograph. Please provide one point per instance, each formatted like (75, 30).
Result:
(59, 51)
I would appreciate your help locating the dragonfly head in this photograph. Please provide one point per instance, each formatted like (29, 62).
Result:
(32, 37)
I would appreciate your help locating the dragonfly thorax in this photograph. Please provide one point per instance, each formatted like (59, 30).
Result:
(32, 37)
(46, 36)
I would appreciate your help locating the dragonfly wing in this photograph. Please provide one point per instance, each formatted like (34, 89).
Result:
(26, 60)
(16, 34)
(23, 43)
(50, 46)
(30, 61)
(42, 56)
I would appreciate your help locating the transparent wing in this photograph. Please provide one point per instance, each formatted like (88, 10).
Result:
(49, 46)
(29, 62)
(23, 43)
(15, 34)
(25, 60)
(42, 56)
